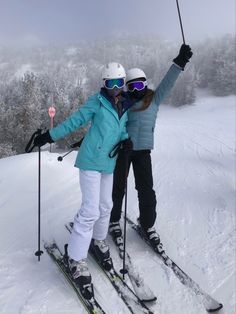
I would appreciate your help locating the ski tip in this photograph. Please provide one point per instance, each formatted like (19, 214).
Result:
(216, 309)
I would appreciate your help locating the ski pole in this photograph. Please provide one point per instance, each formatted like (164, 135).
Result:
(180, 21)
(29, 147)
(124, 270)
(60, 158)
(39, 252)
(77, 144)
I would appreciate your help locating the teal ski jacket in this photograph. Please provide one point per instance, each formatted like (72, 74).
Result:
(106, 130)
(141, 124)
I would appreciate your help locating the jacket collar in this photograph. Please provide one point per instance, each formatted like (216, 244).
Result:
(125, 100)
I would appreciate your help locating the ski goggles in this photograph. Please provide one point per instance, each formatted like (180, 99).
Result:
(138, 85)
(111, 83)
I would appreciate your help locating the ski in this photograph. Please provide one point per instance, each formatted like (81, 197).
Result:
(210, 304)
(132, 301)
(90, 305)
(143, 291)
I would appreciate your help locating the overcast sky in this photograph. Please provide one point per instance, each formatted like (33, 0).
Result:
(69, 21)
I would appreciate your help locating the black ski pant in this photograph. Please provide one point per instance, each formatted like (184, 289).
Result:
(142, 168)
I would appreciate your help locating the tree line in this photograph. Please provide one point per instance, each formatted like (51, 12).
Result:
(33, 79)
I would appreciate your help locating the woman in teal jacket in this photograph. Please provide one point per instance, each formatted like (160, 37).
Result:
(107, 129)
(141, 123)
(107, 112)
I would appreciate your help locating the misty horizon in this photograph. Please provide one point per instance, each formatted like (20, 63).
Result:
(61, 22)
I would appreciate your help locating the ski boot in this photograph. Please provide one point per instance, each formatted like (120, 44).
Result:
(80, 274)
(116, 233)
(102, 253)
(153, 238)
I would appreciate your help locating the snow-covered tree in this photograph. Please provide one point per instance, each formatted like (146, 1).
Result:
(215, 64)
(27, 112)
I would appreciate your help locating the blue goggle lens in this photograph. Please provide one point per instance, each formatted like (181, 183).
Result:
(111, 83)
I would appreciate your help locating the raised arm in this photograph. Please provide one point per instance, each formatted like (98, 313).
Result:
(164, 88)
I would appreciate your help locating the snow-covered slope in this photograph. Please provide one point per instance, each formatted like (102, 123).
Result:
(194, 177)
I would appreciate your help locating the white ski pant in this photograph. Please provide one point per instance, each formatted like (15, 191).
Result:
(92, 220)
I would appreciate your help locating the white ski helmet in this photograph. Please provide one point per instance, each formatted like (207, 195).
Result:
(134, 74)
(113, 70)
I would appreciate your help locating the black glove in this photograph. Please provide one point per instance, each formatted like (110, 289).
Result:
(43, 139)
(183, 57)
(127, 146)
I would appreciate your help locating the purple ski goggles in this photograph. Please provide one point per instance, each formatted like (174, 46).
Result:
(138, 85)
(111, 83)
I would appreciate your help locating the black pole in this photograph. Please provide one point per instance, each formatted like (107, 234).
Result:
(180, 21)
(124, 270)
(39, 252)
(77, 144)
(29, 147)
(60, 158)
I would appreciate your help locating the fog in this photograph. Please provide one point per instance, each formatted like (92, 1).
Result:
(70, 21)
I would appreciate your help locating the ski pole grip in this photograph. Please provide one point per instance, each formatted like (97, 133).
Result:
(29, 147)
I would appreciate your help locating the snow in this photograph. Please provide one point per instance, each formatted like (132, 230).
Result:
(194, 178)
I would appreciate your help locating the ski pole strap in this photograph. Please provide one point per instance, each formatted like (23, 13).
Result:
(29, 147)
(115, 149)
